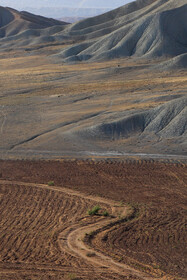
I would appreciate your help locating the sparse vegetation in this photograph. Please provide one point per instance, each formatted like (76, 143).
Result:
(51, 183)
(94, 210)
(105, 214)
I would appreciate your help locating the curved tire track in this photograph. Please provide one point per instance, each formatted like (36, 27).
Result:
(71, 239)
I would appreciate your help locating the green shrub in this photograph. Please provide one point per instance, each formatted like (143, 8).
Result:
(94, 210)
(51, 183)
(105, 213)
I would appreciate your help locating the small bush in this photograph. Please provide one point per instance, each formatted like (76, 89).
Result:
(105, 213)
(51, 183)
(94, 210)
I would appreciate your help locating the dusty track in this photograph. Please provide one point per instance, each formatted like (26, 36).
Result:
(43, 226)
(35, 249)
(72, 244)
(71, 240)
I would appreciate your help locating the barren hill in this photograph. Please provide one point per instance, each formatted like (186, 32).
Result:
(123, 103)
(167, 120)
(16, 25)
(144, 28)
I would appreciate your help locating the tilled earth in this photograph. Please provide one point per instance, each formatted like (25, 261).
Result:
(31, 219)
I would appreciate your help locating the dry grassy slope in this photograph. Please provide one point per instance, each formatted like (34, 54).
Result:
(56, 108)
(175, 63)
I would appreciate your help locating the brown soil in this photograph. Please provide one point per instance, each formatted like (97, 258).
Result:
(38, 221)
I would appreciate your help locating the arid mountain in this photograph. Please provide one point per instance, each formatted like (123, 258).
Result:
(133, 100)
(163, 122)
(58, 12)
(144, 28)
(23, 4)
(72, 19)
(20, 26)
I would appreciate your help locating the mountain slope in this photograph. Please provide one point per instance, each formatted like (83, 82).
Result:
(143, 28)
(157, 126)
(146, 28)
(14, 23)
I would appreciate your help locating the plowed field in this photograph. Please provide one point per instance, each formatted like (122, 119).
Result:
(46, 233)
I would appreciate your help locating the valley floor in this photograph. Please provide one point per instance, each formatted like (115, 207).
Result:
(54, 108)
